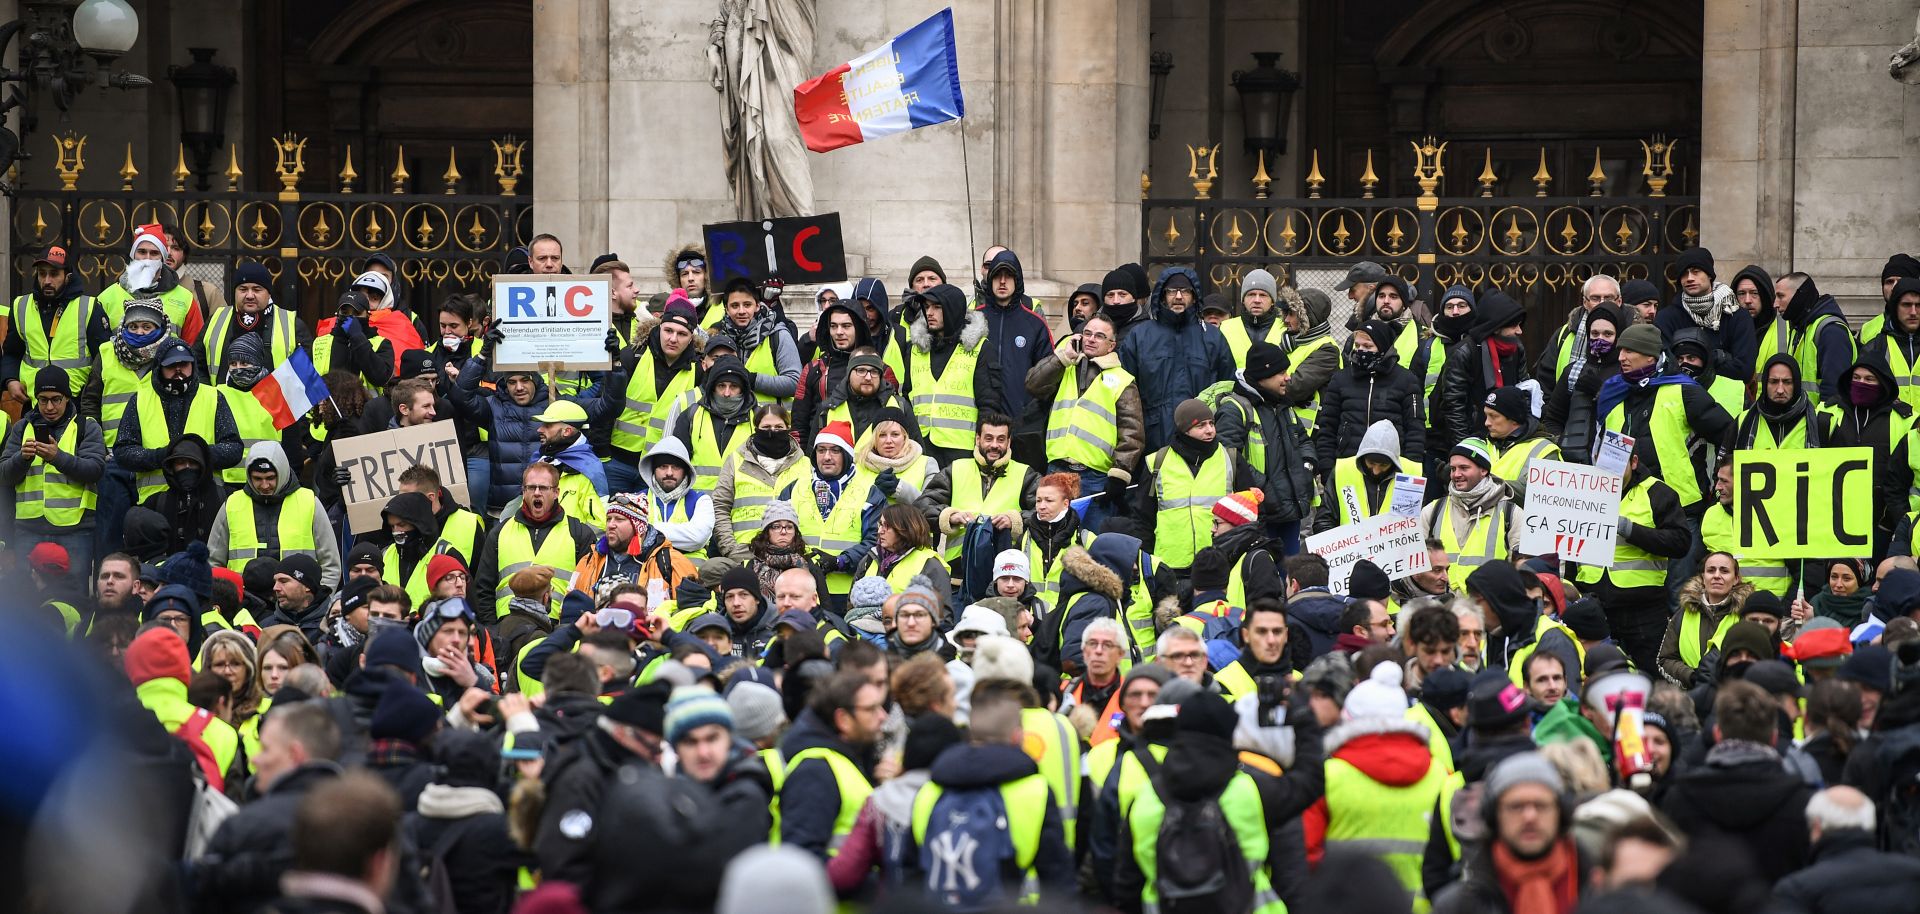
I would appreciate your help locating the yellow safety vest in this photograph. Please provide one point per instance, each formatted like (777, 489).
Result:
(202, 414)
(1405, 342)
(839, 530)
(1385, 822)
(1436, 738)
(943, 404)
(1239, 339)
(1796, 438)
(642, 421)
(852, 786)
(1689, 644)
(1486, 541)
(1729, 393)
(1240, 802)
(1542, 624)
(176, 302)
(118, 385)
(1632, 565)
(323, 355)
(1806, 351)
(1055, 748)
(514, 552)
(46, 494)
(901, 576)
(293, 530)
(1310, 412)
(1085, 428)
(462, 531)
(1905, 374)
(1003, 498)
(679, 510)
(1184, 523)
(760, 363)
(752, 497)
(1044, 575)
(579, 499)
(1233, 679)
(255, 425)
(1138, 613)
(1025, 801)
(709, 452)
(1668, 426)
(1777, 339)
(67, 346)
(1512, 463)
(416, 581)
(1350, 490)
(1716, 531)
(282, 337)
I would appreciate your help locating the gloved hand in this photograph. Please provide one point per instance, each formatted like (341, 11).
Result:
(341, 477)
(343, 328)
(495, 336)
(1626, 527)
(613, 342)
(887, 483)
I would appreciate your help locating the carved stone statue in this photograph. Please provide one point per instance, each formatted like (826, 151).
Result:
(757, 52)
(1901, 67)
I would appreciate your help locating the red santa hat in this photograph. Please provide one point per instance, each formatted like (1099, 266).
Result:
(838, 434)
(151, 233)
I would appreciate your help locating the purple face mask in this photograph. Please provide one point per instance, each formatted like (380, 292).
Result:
(1636, 375)
(1862, 393)
(1599, 347)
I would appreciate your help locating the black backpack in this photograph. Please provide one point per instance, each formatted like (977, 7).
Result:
(1199, 865)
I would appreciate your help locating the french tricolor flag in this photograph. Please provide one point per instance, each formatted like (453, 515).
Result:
(292, 390)
(911, 81)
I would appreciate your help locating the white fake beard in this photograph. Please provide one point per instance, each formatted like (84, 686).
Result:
(140, 274)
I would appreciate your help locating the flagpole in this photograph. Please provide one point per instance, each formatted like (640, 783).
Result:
(966, 174)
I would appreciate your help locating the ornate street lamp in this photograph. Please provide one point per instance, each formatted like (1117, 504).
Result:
(64, 48)
(1266, 99)
(203, 87)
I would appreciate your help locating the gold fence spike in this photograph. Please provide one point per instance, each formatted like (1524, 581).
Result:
(1146, 183)
(400, 175)
(452, 177)
(1541, 179)
(1487, 177)
(1315, 180)
(1596, 179)
(347, 174)
(1368, 180)
(233, 168)
(1260, 177)
(180, 172)
(127, 171)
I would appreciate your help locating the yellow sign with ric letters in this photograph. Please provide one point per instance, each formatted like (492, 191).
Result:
(1803, 504)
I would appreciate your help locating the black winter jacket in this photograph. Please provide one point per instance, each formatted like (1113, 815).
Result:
(1351, 402)
(1754, 803)
(1848, 876)
(1283, 473)
(242, 866)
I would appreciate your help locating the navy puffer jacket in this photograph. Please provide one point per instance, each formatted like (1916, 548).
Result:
(513, 437)
(1174, 357)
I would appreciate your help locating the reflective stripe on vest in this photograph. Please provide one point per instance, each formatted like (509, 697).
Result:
(752, 497)
(943, 403)
(1084, 428)
(1512, 464)
(852, 786)
(839, 530)
(1382, 820)
(1716, 532)
(1054, 746)
(1025, 800)
(1517, 663)
(416, 586)
(254, 423)
(66, 349)
(46, 494)
(1308, 413)
(1184, 523)
(1668, 426)
(154, 434)
(514, 552)
(1002, 498)
(118, 385)
(1486, 541)
(643, 421)
(282, 337)
(1632, 565)
(1806, 351)
(293, 528)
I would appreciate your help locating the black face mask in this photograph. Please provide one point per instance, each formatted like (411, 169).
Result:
(773, 442)
(556, 445)
(1365, 362)
(188, 479)
(1123, 313)
(244, 377)
(175, 386)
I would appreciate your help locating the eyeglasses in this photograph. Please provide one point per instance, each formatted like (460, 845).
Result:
(1100, 646)
(866, 370)
(1095, 335)
(912, 614)
(1604, 299)
(454, 576)
(539, 488)
(1184, 656)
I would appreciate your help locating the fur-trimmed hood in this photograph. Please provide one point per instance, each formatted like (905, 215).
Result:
(971, 333)
(1096, 577)
(1693, 596)
(671, 275)
(1165, 611)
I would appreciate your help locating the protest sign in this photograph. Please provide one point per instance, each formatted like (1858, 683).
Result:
(1615, 449)
(1409, 492)
(1572, 511)
(1793, 504)
(799, 249)
(1394, 542)
(375, 461)
(552, 322)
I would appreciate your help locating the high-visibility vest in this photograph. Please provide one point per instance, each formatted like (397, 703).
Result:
(1777, 339)
(1350, 490)
(1806, 351)
(1404, 344)
(1431, 366)
(967, 481)
(1716, 531)
(1138, 612)
(118, 385)
(914, 562)
(293, 530)
(1044, 575)
(1486, 541)
(643, 420)
(1542, 624)
(154, 434)
(1632, 565)
(281, 332)
(46, 494)
(760, 363)
(1055, 748)
(255, 425)
(1691, 650)
(1241, 804)
(1668, 426)
(1512, 463)
(1389, 823)
(849, 782)
(1808, 432)
(1729, 393)
(839, 530)
(1311, 411)
(678, 510)
(1184, 523)
(1872, 329)
(709, 452)
(415, 581)
(1256, 447)
(1234, 681)
(1084, 428)
(1237, 578)
(752, 497)
(1240, 340)
(323, 355)
(514, 552)
(943, 404)
(65, 347)
(1564, 358)
(462, 530)
(1437, 745)
(176, 302)
(1906, 375)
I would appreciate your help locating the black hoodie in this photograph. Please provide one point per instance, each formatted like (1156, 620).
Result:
(1017, 338)
(1781, 418)
(1874, 425)
(192, 499)
(1834, 346)
(416, 509)
(1895, 346)
(826, 373)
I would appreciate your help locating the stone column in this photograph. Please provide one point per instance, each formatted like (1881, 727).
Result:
(571, 123)
(1747, 132)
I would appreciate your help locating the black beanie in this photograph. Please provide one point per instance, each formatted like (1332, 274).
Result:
(1635, 291)
(1209, 714)
(1699, 258)
(1264, 360)
(1515, 403)
(1120, 280)
(644, 707)
(1210, 570)
(52, 377)
(1367, 581)
(928, 735)
(1587, 619)
(1903, 266)
(1381, 332)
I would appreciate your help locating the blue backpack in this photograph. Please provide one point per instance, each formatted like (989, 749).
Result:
(966, 849)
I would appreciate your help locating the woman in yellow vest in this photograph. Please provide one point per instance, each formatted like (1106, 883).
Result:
(769, 468)
(1709, 605)
(1183, 480)
(903, 550)
(1049, 530)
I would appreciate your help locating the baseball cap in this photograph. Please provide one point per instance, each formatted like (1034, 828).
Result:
(563, 411)
(1364, 271)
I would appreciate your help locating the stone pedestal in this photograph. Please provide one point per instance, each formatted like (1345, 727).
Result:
(628, 154)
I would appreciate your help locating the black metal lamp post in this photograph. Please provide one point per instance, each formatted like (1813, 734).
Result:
(204, 87)
(1266, 100)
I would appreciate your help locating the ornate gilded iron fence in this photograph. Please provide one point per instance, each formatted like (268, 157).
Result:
(1538, 249)
(314, 244)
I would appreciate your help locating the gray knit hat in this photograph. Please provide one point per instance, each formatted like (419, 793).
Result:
(1525, 768)
(1262, 280)
(757, 713)
(779, 511)
(870, 591)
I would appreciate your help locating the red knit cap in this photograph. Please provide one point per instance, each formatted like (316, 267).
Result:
(439, 567)
(233, 577)
(158, 654)
(49, 558)
(1242, 507)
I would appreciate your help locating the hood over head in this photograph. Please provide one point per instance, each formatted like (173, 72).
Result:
(1381, 438)
(862, 333)
(1765, 281)
(1889, 388)
(1694, 338)
(1905, 286)
(668, 448)
(416, 509)
(194, 448)
(950, 300)
(157, 654)
(1005, 261)
(271, 452)
(1503, 588)
(1318, 306)
(1157, 301)
(1494, 311)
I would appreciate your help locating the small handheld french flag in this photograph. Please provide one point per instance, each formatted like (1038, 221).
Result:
(292, 390)
(911, 81)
